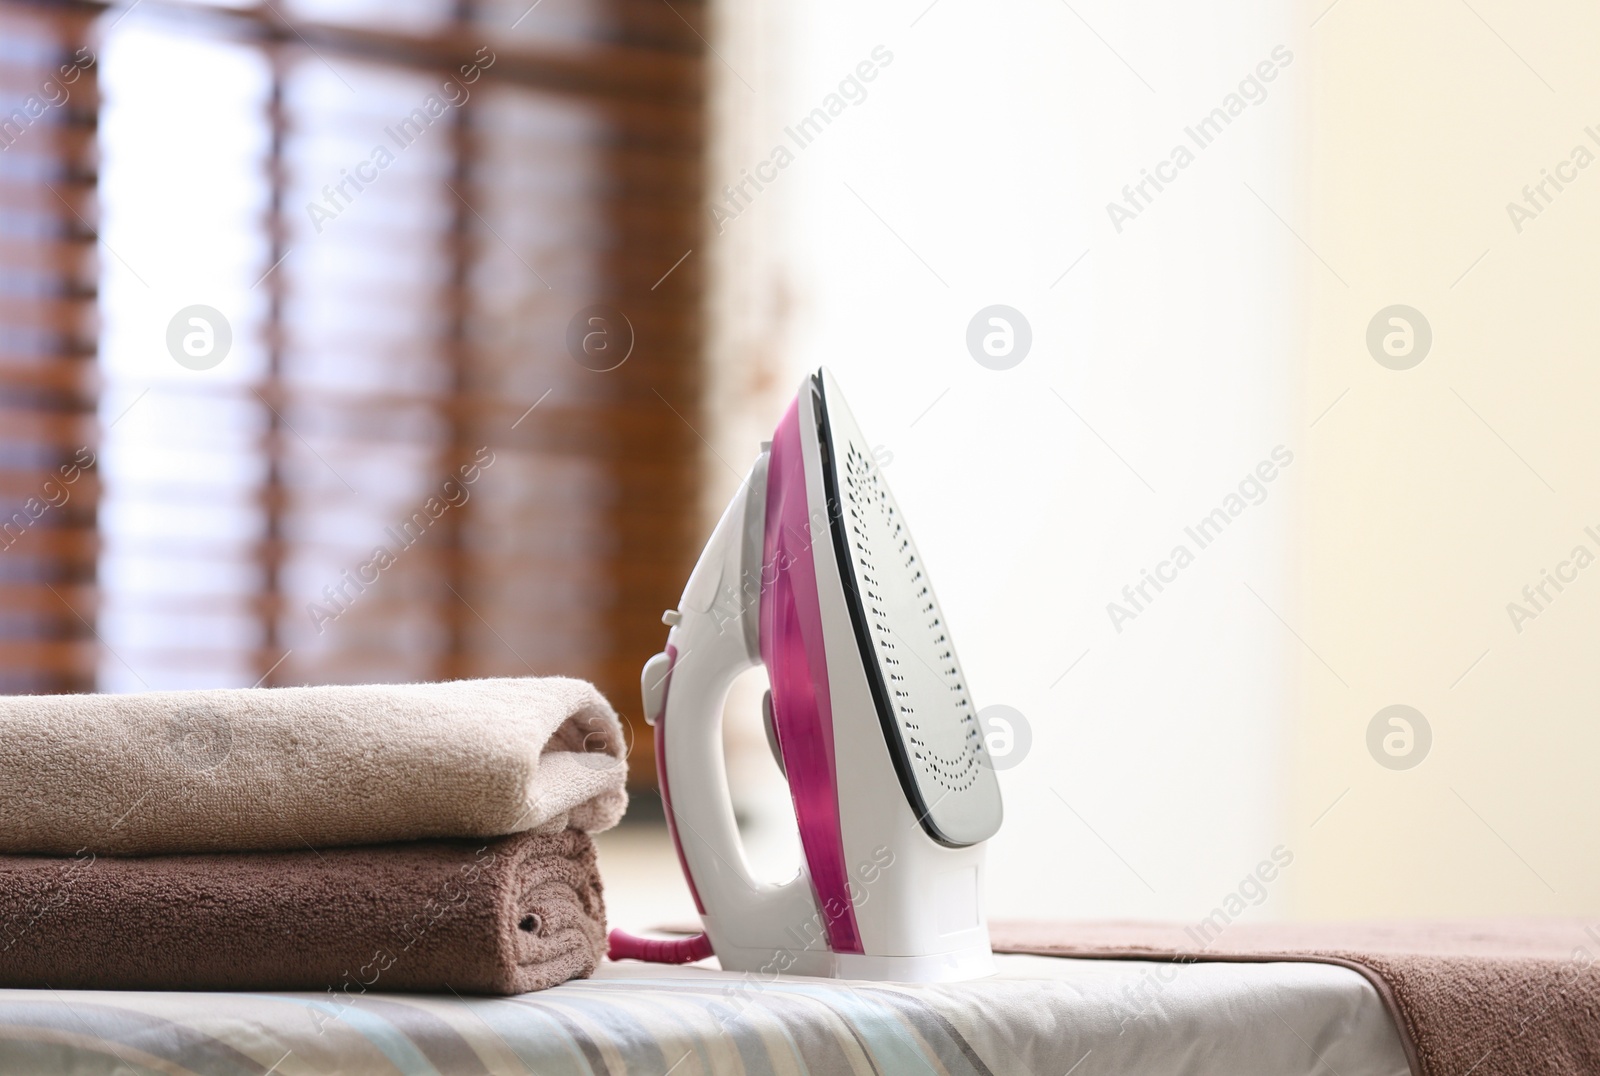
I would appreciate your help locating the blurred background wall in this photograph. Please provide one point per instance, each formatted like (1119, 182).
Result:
(974, 169)
(1437, 492)
(1231, 362)
(1174, 348)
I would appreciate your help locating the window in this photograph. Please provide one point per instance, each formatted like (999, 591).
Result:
(288, 290)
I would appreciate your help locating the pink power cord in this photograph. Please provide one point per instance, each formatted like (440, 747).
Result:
(625, 946)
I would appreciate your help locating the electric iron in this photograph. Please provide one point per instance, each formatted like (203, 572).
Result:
(812, 573)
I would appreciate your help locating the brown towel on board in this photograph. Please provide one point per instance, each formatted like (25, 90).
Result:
(503, 916)
(1502, 997)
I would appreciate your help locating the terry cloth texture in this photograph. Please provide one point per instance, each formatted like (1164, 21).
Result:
(1489, 997)
(291, 768)
(508, 916)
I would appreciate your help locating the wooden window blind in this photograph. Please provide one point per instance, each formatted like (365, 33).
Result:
(413, 460)
(48, 378)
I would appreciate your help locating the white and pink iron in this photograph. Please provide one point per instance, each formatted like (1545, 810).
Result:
(813, 573)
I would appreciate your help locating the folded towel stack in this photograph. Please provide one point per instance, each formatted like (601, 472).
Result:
(393, 837)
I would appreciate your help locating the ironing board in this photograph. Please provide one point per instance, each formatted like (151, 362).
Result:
(1040, 1015)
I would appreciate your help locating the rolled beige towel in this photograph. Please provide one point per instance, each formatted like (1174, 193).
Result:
(306, 767)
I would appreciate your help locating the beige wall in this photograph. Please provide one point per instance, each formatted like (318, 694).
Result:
(977, 171)
(1226, 320)
(1434, 494)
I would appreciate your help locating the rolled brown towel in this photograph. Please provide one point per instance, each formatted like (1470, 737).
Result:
(503, 916)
